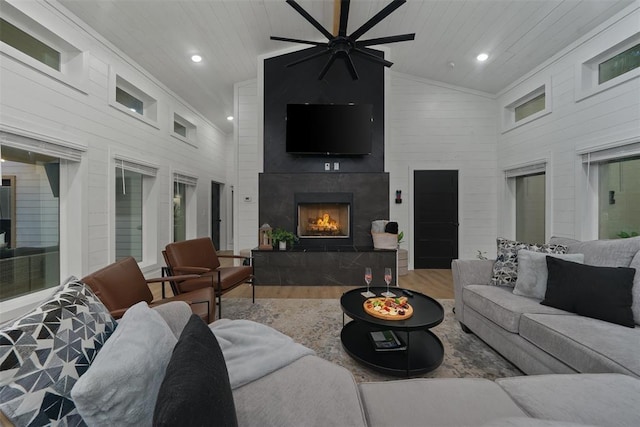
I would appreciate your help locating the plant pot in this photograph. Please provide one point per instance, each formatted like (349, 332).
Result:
(282, 246)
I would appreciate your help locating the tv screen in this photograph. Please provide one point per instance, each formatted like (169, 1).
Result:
(329, 129)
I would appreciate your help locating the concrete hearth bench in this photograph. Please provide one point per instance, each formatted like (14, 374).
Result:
(321, 265)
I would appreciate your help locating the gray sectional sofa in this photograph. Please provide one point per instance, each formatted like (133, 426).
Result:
(115, 374)
(314, 392)
(540, 339)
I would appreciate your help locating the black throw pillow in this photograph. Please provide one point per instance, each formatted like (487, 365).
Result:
(196, 389)
(391, 227)
(602, 293)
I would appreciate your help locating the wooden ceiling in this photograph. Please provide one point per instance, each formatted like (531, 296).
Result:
(161, 35)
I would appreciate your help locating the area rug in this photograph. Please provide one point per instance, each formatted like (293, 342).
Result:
(316, 323)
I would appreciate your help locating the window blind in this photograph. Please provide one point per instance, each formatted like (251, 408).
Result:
(134, 166)
(597, 156)
(532, 169)
(49, 148)
(182, 178)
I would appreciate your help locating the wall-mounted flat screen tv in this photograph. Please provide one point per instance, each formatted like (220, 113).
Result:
(329, 129)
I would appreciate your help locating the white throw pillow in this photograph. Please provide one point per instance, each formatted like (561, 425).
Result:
(121, 386)
(532, 272)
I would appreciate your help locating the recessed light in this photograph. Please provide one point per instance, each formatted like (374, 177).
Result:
(482, 57)
(196, 58)
(230, 118)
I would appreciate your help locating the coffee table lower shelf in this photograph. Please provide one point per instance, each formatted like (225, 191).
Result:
(424, 352)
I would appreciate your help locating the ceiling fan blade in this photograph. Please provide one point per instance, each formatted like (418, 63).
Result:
(376, 18)
(310, 18)
(389, 39)
(327, 66)
(351, 67)
(285, 39)
(309, 57)
(344, 17)
(372, 57)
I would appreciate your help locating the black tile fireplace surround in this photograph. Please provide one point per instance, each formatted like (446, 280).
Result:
(368, 193)
(326, 260)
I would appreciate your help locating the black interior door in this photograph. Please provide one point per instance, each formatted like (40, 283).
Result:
(215, 214)
(435, 213)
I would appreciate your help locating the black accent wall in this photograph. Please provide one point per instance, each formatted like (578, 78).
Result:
(298, 85)
(286, 174)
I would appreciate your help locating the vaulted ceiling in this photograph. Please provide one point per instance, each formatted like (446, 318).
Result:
(161, 36)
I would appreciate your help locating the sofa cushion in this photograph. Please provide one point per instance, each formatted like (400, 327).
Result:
(505, 269)
(595, 399)
(309, 391)
(44, 352)
(501, 306)
(437, 402)
(195, 390)
(121, 386)
(600, 292)
(605, 253)
(585, 344)
(533, 273)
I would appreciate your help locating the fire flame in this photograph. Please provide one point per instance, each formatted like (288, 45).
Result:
(325, 223)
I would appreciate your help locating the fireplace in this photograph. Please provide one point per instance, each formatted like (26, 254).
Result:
(324, 219)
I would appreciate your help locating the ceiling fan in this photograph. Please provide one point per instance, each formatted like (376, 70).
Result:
(343, 45)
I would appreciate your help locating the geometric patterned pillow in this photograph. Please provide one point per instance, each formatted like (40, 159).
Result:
(505, 269)
(43, 353)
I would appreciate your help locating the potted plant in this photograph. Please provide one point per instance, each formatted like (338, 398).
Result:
(283, 238)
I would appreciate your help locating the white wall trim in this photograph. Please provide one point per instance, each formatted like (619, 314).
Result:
(542, 164)
(73, 241)
(586, 70)
(74, 61)
(15, 307)
(523, 94)
(443, 85)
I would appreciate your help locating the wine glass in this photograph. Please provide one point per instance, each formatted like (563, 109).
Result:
(387, 279)
(367, 279)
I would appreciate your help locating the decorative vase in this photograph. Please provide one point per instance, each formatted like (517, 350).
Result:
(282, 245)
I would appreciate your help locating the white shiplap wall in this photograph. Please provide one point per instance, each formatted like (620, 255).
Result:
(429, 126)
(608, 117)
(35, 103)
(249, 164)
(434, 126)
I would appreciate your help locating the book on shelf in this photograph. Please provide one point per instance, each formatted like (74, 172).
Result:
(386, 341)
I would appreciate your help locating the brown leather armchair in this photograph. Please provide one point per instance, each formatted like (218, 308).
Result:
(199, 256)
(121, 285)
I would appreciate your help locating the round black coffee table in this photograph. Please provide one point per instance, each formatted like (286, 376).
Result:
(424, 351)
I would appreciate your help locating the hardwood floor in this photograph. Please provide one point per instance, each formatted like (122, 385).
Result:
(435, 283)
